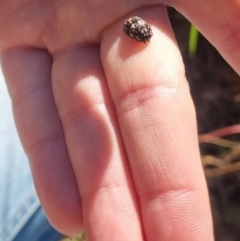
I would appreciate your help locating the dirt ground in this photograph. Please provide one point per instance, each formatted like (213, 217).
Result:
(215, 90)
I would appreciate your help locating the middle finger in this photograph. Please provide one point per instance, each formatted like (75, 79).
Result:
(94, 145)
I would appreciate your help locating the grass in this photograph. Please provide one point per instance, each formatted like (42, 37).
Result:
(79, 237)
(192, 41)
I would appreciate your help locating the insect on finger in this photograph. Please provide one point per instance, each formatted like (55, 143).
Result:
(138, 29)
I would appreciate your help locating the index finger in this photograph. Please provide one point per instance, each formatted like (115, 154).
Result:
(158, 126)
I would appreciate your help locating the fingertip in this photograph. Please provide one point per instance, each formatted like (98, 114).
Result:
(66, 222)
(136, 62)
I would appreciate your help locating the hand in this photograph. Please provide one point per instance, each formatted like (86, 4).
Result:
(108, 123)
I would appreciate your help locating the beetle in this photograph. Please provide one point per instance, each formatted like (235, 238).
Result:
(138, 29)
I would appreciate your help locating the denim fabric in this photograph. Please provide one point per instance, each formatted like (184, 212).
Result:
(38, 229)
(18, 200)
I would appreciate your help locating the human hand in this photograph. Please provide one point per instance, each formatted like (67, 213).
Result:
(108, 123)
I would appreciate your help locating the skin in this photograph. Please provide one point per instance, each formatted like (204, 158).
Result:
(107, 122)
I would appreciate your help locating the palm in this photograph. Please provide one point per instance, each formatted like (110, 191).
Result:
(57, 25)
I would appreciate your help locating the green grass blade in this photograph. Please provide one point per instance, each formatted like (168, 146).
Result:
(193, 41)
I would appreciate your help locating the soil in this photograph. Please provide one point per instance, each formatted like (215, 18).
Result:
(215, 90)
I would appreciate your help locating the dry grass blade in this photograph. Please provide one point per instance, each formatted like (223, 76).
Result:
(79, 237)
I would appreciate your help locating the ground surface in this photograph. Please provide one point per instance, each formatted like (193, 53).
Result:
(215, 90)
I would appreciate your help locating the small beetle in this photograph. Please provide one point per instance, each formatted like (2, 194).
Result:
(138, 29)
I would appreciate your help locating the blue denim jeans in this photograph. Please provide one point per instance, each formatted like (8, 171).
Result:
(21, 216)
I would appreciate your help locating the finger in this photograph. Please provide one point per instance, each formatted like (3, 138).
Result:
(85, 108)
(28, 75)
(219, 22)
(157, 122)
